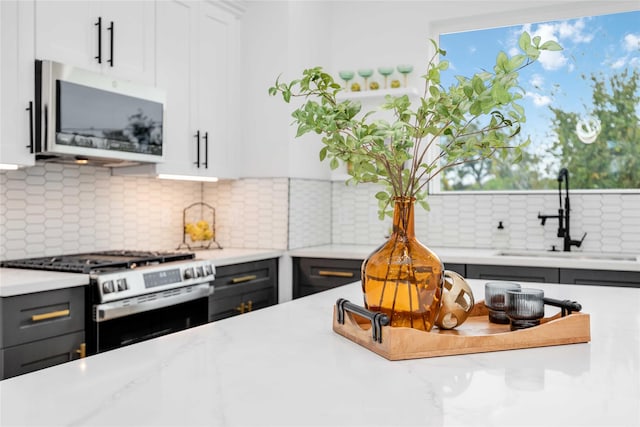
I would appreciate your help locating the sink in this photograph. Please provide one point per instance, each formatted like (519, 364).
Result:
(572, 255)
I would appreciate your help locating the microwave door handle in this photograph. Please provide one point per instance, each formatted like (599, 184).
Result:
(99, 25)
(197, 162)
(206, 150)
(30, 110)
(110, 29)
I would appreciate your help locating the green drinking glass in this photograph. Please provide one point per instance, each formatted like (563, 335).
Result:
(405, 70)
(346, 75)
(365, 73)
(385, 72)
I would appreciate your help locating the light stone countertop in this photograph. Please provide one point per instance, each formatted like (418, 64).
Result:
(221, 257)
(17, 281)
(284, 366)
(523, 258)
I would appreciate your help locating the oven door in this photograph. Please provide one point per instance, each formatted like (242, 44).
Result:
(122, 323)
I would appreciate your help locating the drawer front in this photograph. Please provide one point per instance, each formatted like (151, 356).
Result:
(576, 276)
(246, 273)
(42, 354)
(506, 272)
(33, 317)
(313, 275)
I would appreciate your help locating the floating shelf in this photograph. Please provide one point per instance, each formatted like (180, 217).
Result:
(378, 94)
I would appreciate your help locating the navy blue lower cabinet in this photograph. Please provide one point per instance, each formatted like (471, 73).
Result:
(514, 273)
(245, 287)
(578, 276)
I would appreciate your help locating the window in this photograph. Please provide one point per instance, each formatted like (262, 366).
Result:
(582, 104)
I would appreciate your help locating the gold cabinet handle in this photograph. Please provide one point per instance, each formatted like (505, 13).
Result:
(50, 315)
(249, 305)
(82, 351)
(244, 278)
(240, 308)
(335, 273)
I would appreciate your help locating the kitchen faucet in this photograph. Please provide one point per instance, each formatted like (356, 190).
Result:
(563, 214)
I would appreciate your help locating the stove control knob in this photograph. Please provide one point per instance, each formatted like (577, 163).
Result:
(199, 272)
(107, 287)
(122, 285)
(188, 273)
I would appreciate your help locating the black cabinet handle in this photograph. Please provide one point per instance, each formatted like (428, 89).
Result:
(30, 110)
(206, 150)
(99, 25)
(110, 29)
(197, 162)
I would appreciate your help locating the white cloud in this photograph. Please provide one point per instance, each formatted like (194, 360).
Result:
(631, 42)
(619, 63)
(539, 100)
(574, 31)
(537, 81)
(552, 60)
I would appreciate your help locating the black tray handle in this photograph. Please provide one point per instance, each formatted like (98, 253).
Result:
(566, 306)
(377, 319)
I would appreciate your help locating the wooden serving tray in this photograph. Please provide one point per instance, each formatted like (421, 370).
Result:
(475, 335)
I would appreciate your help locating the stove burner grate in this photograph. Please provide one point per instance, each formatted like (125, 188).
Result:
(97, 261)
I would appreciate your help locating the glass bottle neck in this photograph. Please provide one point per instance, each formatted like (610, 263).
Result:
(403, 216)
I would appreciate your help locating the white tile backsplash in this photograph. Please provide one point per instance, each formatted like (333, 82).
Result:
(52, 209)
(309, 213)
(611, 220)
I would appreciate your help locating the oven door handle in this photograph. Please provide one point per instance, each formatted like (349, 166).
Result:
(148, 302)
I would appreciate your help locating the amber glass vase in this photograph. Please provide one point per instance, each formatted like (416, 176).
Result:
(403, 278)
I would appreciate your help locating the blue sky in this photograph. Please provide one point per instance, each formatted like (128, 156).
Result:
(603, 44)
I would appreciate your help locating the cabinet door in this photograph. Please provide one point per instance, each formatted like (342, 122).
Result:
(40, 354)
(215, 65)
(65, 32)
(245, 287)
(16, 81)
(131, 55)
(176, 44)
(68, 32)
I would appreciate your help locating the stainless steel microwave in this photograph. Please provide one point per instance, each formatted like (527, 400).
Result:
(87, 117)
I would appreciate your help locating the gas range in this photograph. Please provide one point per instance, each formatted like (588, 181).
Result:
(135, 295)
(131, 279)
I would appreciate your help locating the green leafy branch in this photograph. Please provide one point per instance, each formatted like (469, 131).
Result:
(471, 120)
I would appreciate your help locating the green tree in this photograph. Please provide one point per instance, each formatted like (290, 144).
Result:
(512, 171)
(613, 159)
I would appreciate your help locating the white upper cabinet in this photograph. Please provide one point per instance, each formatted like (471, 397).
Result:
(113, 37)
(196, 58)
(174, 49)
(16, 82)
